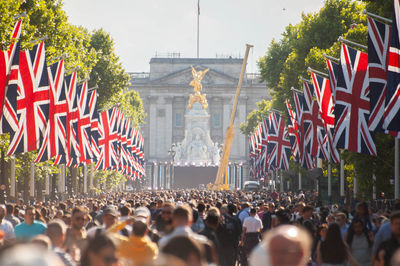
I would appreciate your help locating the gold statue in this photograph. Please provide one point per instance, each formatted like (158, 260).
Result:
(197, 87)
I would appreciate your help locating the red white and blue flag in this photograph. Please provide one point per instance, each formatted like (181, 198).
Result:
(293, 132)
(352, 106)
(84, 124)
(392, 106)
(378, 48)
(279, 147)
(32, 101)
(55, 135)
(323, 93)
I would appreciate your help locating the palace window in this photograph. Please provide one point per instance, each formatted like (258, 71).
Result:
(216, 120)
(178, 120)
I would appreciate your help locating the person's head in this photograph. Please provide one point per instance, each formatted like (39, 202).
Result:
(100, 251)
(41, 241)
(333, 234)
(10, 208)
(201, 207)
(395, 223)
(288, 245)
(143, 213)
(271, 207)
(3, 212)
(125, 211)
(362, 209)
(140, 227)
(182, 216)
(29, 216)
(78, 217)
(322, 230)
(186, 249)
(212, 219)
(358, 226)
(56, 231)
(110, 216)
(307, 211)
(341, 218)
(253, 212)
(160, 203)
(166, 213)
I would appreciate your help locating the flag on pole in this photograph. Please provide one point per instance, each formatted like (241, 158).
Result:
(293, 132)
(32, 101)
(352, 103)
(279, 148)
(378, 47)
(392, 106)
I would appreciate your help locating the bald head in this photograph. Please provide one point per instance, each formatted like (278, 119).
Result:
(288, 245)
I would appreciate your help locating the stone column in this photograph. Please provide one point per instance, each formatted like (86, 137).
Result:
(85, 187)
(153, 128)
(12, 178)
(32, 181)
(47, 185)
(155, 176)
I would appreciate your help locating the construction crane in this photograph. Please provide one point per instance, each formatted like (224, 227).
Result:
(221, 182)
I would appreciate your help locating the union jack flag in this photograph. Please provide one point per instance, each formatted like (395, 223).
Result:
(279, 148)
(94, 125)
(352, 103)
(293, 132)
(300, 103)
(71, 155)
(32, 101)
(55, 135)
(108, 140)
(392, 107)
(6, 61)
(252, 153)
(378, 47)
(84, 124)
(323, 93)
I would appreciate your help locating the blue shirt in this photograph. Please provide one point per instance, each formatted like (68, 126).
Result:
(26, 232)
(384, 233)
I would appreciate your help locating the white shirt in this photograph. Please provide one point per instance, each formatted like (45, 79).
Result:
(252, 224)
(8, 229)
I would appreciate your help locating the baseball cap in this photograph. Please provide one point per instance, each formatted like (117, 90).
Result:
(110, 209)
(142, 212)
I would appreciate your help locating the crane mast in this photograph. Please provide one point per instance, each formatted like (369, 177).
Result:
(221, 181)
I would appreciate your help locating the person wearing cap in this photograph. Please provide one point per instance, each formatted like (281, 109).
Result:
(5, 225)
(138, 248)
(109, 218)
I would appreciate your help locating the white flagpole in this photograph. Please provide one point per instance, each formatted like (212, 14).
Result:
(299, 179)
(374, 187)
(198, 28)
(341, 177)
(32, 181)
(12, 177)
(329, 180)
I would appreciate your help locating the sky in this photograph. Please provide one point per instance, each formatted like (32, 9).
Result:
(143, 28)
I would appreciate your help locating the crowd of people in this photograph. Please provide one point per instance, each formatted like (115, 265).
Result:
(199, 227)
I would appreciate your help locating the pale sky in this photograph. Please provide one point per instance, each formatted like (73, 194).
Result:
(142, 28)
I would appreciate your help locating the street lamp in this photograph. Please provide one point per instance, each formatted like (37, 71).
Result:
(171, 152)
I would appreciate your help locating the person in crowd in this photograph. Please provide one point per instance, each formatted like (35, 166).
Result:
(211, 225)
(307, 221)
(360, 240)
(10, 215)
(287, 245)
(334, 251)
(56, 231)
(244, 212)
(388, 247)
(251, 234)
(29, 228)
(139, 249)
(101, 251)
(76, 237)
(164, 221)
(341, 219)
(199, 225)
(362, 212)
(109, 217)
(267, 216)
(5, 225)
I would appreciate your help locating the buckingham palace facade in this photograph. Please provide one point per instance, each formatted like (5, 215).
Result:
(165, 93)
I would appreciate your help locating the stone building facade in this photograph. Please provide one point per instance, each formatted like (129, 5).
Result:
(165, 93)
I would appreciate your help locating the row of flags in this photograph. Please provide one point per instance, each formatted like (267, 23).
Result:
(46, 110)
(343, 109)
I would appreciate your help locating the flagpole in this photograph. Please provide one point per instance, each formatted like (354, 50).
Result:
(396, 168)
(341, 178)
(329, 180)
(198, 28)
(299, 179)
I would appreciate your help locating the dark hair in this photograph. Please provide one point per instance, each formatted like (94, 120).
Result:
(350, 232)
(124, 211)
(182, 247)
(78, 209)
(201, 207)
(95, 245)
(308, 208)
(333, 249)
(212, 218)
(182, 212)
(10, 208)
(139, 228)
(394, 215)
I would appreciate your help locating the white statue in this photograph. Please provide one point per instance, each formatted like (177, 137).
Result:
(197, 149)
(216, 153)
(178, 148)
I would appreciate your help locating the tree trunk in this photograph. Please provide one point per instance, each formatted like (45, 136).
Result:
(26, 187)
(74, 175)
(39, 190)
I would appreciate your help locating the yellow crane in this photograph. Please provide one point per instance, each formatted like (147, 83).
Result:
(221, 182)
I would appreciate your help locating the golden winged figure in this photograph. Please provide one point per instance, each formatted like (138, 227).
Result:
(197, 87)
